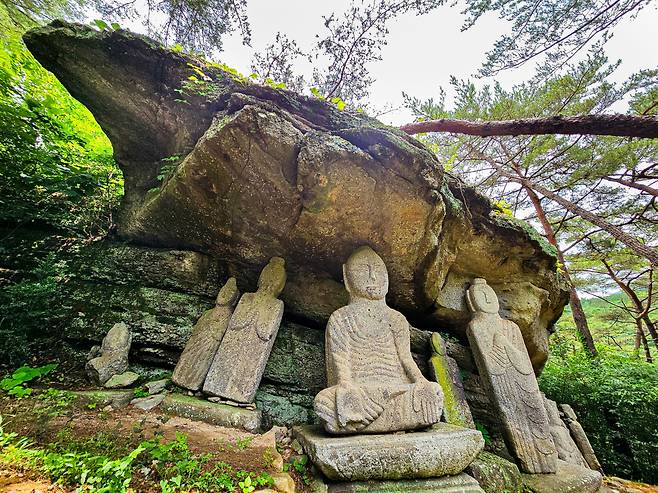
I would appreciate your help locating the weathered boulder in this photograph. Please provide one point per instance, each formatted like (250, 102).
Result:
(495, 474)
(265, 172)
(113, 359)
(569, 478)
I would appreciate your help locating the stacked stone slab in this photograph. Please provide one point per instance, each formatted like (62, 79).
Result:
(580, 437)
(567, 450)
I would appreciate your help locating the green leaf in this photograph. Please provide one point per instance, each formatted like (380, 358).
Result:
(101, 24)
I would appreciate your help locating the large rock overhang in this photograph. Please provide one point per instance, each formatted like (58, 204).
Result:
(266, 172)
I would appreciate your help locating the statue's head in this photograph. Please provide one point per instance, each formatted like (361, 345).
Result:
(365, 275)
(273, 277)
(229, 294)
(481, 298)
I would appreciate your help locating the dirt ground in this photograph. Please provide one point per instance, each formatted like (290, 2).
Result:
(118, 432)
(47, 422)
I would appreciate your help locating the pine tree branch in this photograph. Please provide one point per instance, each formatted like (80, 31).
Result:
(615, 125)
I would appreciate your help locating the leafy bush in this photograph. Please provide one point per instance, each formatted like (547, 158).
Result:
(616, 400)
(31, 307)
(15, 384)
(56, 165)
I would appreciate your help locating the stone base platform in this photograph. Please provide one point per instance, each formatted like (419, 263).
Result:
(442, 450)
(462, 483)
(184, 406)
(569, 478)
(212, 413)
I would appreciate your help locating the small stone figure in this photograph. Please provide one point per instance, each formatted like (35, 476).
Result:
(375, 385)
(207, 335)
(446, 373)
(580, 437)
(114, 355)
(504, 366)
(238, 366)
(566, 448)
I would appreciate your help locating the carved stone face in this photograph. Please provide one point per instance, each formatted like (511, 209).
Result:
(229, 294)
(365, 275)
(481, 298)
(273, 277)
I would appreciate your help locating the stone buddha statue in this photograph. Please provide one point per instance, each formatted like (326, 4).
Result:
(238, 365)
(375, 385)
(504, 366)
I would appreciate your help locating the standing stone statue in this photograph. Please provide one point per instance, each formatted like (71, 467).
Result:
(580, 437)
(504, 366)
(114, 355)
(566, 448)
(238, 366)
(375, 385)
(207, 334)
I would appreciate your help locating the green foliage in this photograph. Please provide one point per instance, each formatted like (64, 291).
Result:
(485, 433)
(99, 465)
(15, 384)
(299, 464)
(616, 400)
(31, 306)
(140, 392)
(56, 165)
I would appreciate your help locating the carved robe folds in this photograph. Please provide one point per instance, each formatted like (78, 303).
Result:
(504, 366)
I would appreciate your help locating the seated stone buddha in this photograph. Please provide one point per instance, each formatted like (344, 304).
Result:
(375, 385)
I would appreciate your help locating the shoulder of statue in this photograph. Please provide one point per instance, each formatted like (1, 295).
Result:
(399, 322)
(339, 316)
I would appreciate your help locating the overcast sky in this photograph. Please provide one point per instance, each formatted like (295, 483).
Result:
(424, 51)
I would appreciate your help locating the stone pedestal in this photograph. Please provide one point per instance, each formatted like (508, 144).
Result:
(462, 483)
(569, 478)
(440, 451)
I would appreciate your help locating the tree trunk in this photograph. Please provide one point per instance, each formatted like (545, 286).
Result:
(645, 344)
(643, 313)
(633, 184)
(579, 317)
(617, 125)
(630, 241)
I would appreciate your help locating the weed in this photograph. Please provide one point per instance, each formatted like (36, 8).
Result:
(243, 443)
(55, 402)
(299, 465)
(15, 385)
(140, 392)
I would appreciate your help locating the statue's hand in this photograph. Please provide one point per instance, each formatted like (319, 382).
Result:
(427, 400)
(354, 408)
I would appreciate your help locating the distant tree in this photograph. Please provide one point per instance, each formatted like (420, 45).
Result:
(550, 32)
(601, 264)
(275, 63)
(24, 14)
(196, 25)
